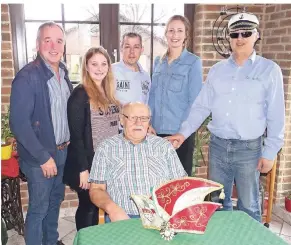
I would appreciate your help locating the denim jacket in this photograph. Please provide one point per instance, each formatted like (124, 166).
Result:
(30, 112)
(174, 89)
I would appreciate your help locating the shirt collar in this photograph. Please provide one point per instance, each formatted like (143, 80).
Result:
(140, 69)
(146, 139)
(252, 57)
(182, 55)
(61, 65)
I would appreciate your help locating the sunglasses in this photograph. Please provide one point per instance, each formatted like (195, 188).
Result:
(245, 34)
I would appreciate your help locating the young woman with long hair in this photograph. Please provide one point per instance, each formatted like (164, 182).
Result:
(92, 117)
(176, 82)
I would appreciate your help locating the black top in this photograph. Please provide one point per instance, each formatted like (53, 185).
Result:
(80, 150)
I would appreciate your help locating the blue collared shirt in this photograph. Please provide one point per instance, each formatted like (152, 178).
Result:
(174, 88)
(244, 101)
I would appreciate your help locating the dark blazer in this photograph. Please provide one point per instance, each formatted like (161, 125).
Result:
(30, 113)
(80, 150)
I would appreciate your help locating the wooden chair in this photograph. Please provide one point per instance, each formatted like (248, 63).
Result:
(101, 216)
(270, 188)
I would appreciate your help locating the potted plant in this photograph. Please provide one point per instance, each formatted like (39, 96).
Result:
(6, 137)
(288, 202)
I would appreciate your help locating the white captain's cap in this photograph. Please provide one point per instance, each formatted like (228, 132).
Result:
(243, 21)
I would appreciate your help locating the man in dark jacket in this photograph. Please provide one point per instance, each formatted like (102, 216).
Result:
(38, 119)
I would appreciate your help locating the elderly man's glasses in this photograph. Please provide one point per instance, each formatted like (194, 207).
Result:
(245, 34)
(135, 118)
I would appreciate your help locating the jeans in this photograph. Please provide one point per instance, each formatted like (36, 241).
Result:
(237, 160)
(132, 216)
(45, 198)
(87, 212)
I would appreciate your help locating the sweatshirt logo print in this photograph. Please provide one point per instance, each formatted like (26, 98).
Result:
(123, 84)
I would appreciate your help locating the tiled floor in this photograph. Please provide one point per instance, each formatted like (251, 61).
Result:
(67, 231)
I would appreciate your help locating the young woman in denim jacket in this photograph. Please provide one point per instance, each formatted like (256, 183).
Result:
(176, 82)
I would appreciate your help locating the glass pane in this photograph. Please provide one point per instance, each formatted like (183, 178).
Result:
(79, 38)
(160, 44)
(42, 11)
(136, 13)
(145, 32)
(162, 12)
(81, 12)
(31, 33)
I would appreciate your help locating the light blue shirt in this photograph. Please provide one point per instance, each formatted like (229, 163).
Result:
(175, 86)
(59, 93)
(131, 86)
(244, 101)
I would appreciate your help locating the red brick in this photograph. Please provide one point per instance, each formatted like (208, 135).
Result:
(272, 40)
(6, 64)
(70, 196)
(4, 8)
(288, 13)
(6, 46)
(23, 186)
(285, 6)
(278, 15)
(6, 90)
(208, 56)
(272, 24)
(5, 27)
(255, 9)
(5, 17)
(211, 16)
(208, 47)
(279, 31)
(276, 48)
(286, 72)
(269, 55)
(6, 55)
(24, 194)
(65, 204)
(286, 39)
(285, 22)
(5, 99)
(74, 203)
(270, 9)
(7, 72)
(6, 81)
(213, 8)
(5, 36)
(284, 56)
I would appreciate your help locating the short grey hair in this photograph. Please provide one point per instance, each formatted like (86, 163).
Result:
(125, 106)
(48, 24)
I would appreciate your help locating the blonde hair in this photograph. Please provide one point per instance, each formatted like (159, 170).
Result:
(187, 25)
(97, 99)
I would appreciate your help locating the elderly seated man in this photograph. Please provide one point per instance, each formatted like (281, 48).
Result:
(131, 163)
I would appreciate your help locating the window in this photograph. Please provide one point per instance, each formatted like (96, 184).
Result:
(81, 25)
(149, 21)
(82, 28)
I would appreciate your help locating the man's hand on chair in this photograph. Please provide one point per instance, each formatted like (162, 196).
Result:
(176, 140)
(117, 213)
(265, 165)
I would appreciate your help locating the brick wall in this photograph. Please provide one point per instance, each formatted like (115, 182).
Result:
(275, 25)
(276, 45)
(7, 72)
(7, 68)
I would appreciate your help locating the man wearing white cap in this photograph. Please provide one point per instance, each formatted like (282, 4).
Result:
(245, 96)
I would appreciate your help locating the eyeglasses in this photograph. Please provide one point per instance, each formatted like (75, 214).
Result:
(134, 118)
(245, 34)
